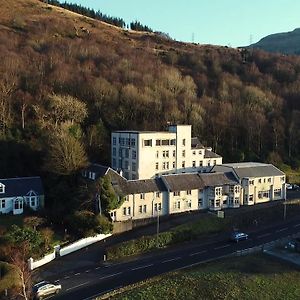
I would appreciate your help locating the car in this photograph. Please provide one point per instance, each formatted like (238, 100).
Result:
(292, 187)
(239, 236)
(291, 245)
(44, 289)
(289, 186)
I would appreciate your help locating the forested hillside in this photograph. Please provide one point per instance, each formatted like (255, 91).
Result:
(67, 80)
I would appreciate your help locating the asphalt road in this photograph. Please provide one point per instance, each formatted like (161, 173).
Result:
(89, 282)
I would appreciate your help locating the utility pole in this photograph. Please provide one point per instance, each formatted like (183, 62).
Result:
(157, 228)
(284, 209)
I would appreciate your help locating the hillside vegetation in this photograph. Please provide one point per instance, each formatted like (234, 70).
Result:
(67, 81)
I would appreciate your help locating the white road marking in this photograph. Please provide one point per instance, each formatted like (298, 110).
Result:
(172, 259)
(263, 235)
(77, 286)
(66, 277)
(98, 268)
(77, 274)
(221, 247)
(283, 229)
(297, 225)
(142, 267)
(196, 253)
(108, 276)
(87, 271)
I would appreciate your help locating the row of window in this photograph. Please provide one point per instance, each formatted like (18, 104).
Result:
(18, 204)
(124, 141)
(124, 153)
(188, 192)
(142, 209)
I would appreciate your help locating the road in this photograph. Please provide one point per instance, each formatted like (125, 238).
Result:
(87, 283)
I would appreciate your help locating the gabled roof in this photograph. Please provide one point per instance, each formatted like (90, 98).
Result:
(218, 179)
(21, 186)
(181, 182)
(99, 170)
(195, 143)
(210, 154)
(250, 169)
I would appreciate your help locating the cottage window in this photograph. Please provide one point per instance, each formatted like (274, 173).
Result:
(277, 193)
(156, 166)
(282, 179)
(183, 164)
(158, 142)
(173, 142)
(200, 152)
(177, 193)
(183, 153)
(189, 192)
(140, 209)
(236, 189)
(145, 208)
(250, 198)
(200, 163)
(133, 142)
(157, 194)
(183, 142)
(174, 153)
(194, 152)
(259, 180)
(215, 162)
(159, 206)
(127, 141)
(32, 201)
(142, 196)
(194, 164)
(178, 204)
(269, 180)
(174, 165)
(165, 142)
(18, 204)
(236, 200)
(124, 211)
(189, 204)
(200, 203)
(129, 211)
(2, 203)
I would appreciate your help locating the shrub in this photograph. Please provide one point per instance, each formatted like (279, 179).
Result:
(9, 277)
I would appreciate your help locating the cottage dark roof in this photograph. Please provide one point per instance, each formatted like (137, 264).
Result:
(21, 186)
(181, 182)
(99, 170)
(195, 143)
(218, 179)
(245, 170)
(210, 154)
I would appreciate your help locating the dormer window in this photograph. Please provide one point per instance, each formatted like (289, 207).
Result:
(2, 188)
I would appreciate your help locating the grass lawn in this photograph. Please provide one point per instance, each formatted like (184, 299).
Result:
(251, 277)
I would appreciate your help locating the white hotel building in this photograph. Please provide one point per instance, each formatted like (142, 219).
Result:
(147, 154)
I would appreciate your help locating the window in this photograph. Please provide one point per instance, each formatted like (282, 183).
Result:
(200, 163)
(18, 204)
(156, 166)
(140, 209)
(194, 164)
(114, 141)
(236, 189)
(159, 206)
(124, 211)
(126, 153)
(114, 163)
(2, 203)
(114, 151)
(148, 143)
(176, 193)
(231, 189)
(200, 152)
(282, 179)
(183, 164)
(174, 153)
(208, 163)
(167, 165)
(263, 194)
(277, 193)
(174, 165)
(145, 208)
(164, 166)
(2, 188)
(236, 200)
(165, 154)
(183, 153)
(215, 162)
(178, 204)
(250, 198)
(127, 141)
(133, 142)
(142, 196)
(126, 165)
(133, 166)
(200, 203)
(120, 152)
(165, 142)
(189, 203)
(259, 180)
(158, 142)
(122, 141)
(189, 192)
(155, 206)
(183, 142)
(194, 152)
(133, 154)
(32, 201)
(157, 154)
(218, 191)
(129, 211)
(157, 194)
(251, 182)
(269, 180)
(173, 142)
(217, 203)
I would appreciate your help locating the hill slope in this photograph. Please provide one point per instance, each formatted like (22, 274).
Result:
(243, 103)
(286, 42)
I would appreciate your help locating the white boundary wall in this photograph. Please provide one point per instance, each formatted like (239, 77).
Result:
(66, 250)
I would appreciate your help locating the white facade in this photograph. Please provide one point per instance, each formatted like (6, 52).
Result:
(143, 155)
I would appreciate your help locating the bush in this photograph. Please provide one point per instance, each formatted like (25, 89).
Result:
(9, 277)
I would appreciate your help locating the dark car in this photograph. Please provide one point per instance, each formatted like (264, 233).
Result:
(44, 289)
(238, 236)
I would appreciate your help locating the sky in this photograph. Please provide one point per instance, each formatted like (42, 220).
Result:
(220, 22)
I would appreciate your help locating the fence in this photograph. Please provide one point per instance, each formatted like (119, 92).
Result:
(57, 252)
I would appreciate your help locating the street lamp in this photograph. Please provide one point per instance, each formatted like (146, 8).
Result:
(157, 228)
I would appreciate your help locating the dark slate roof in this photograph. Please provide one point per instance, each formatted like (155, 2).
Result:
(210, 154)
(99, 170)
(181, 182)
(145, 186)
(218, 179)
(18, 187)
(195, 143)
(245, 170)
